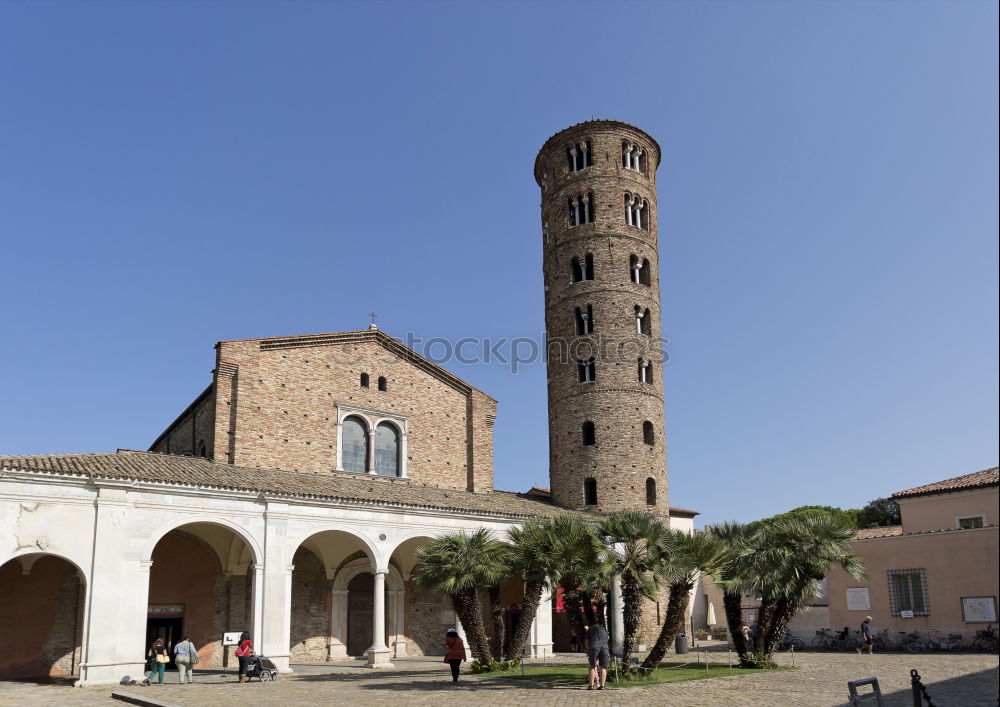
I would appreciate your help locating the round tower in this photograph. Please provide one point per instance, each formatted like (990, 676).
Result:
(602, 318)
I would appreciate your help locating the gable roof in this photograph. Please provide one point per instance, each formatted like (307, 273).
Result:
(979, 479)
(129, 465)
(377, 336)
(883, 531)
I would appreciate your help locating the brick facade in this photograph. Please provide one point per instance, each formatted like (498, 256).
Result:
(616, 402)
(274, 403)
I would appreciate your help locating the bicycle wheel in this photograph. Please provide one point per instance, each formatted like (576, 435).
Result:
(852, 643)
(989, 644)
(914, 646)
(955, 646)
(798, 644)
(819, 643)
(879, 643)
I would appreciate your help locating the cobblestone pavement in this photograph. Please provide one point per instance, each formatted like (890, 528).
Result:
(962, 680)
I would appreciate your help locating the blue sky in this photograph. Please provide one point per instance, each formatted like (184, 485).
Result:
(173, 174)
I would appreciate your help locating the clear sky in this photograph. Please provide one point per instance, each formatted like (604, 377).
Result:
(176, 173)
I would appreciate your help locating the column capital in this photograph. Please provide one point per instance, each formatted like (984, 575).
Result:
(144, 565)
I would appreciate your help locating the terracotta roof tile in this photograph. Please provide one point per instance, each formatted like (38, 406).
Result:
(362, 489)
(980, 479)
(885, 531)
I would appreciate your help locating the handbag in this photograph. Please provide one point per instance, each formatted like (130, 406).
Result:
(195, 658)
(160, 658)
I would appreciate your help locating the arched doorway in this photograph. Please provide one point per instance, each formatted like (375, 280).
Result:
(200, 586)
(360, 613)
(42, 599)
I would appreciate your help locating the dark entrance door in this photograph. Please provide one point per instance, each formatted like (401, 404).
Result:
(169, 629)
(360, 610)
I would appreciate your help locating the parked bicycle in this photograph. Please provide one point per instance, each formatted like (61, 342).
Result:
(985, 640)
(936, 641)
(847, 642)
(825, 640)
(791, 641)
(911, 642)
(882, 642)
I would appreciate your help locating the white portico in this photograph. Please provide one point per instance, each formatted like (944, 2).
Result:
(154, 539)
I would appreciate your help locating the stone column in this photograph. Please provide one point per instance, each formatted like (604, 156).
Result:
(541, 627)
(378, 654)
(338, 626)
(371, 451)
(617, 617)
(276, 594)
(397, 611)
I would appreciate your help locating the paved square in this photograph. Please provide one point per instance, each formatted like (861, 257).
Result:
(962, 680)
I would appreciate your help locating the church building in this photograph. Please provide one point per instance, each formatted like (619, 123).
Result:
(290, 497)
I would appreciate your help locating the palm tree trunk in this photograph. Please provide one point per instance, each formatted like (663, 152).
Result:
(466, 603)
(571, 602)
(732, 602)
(496, 609)
(765, 619)
(532, 596)
(680, 595)
(632, 610)
(784, 610)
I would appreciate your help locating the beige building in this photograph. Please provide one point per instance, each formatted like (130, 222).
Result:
(937, 570)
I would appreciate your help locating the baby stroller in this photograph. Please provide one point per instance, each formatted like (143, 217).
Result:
(261, 667)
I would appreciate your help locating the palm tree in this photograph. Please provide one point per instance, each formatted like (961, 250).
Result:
(735, 539)
(532, 549)
(684, 557)
(579, 557)
(637, 537)
(785, 564)
(457, 565)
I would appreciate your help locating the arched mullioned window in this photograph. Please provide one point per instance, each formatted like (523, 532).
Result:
(645, 370)
(587, 370)
(633, 157)
(643, 322)
(354, 448)
(582, 269)
(383, 384)
(590, 492)
(584, 320)
(579, 156)
(636, 211)
(589, 437)
(581, 209)
(639, 270)
(365, 380)
(650, 492)
(648, 435)
(387, 450)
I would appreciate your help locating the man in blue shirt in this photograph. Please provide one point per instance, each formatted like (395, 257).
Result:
(598, 656)
(867, 638)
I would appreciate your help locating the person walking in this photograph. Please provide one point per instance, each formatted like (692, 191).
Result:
(867, 637)
(243, 652)
(598, 656)
(158, 656)
(186, 657)
(456, 652)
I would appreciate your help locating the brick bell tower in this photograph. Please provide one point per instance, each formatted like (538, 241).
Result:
(602, 317)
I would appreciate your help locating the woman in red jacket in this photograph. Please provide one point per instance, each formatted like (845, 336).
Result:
(243, 652)
(456, 652)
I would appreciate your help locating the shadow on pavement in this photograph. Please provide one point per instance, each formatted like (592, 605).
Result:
(966, 690)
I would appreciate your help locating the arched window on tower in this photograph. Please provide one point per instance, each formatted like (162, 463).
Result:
(643, 322)
(639, 270)
(650, 492)
(387, 450)
(578, 156)
(354, 446)
(589, 436)
(590, 492)
(383, 384)
(648, 436)
(633, 157)
(635, 205)
(581, 209)
(645, 371)
(584, 320)
(582, 269)
(587, 370)
(364, 380)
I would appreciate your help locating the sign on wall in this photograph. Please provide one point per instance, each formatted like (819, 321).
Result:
(231, 638)
(979, 609)
(858, 599)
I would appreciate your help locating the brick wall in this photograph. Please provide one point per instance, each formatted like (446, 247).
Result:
(429, 615)
(276, 405)
(193, 432)
(310, 609)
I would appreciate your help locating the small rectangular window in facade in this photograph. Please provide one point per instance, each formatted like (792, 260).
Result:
(908, 591)
(969, 522)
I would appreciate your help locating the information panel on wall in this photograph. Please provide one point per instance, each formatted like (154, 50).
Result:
(857, 599)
